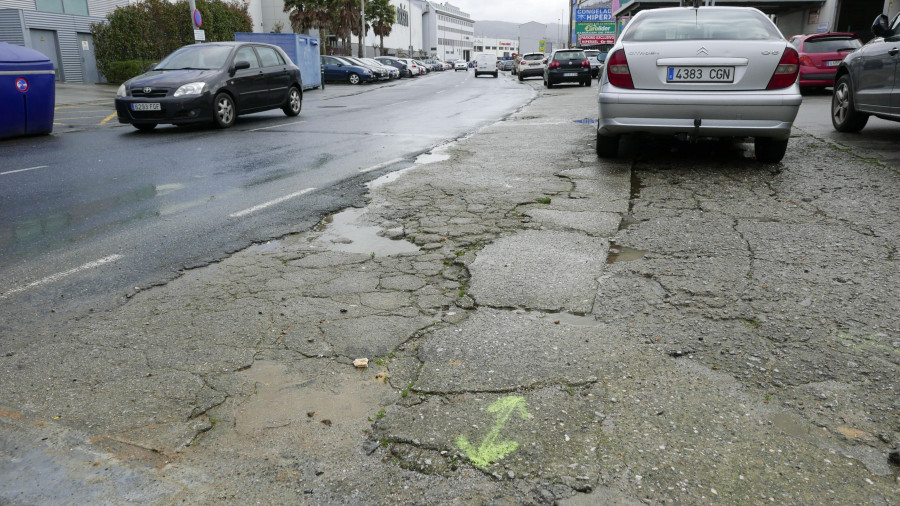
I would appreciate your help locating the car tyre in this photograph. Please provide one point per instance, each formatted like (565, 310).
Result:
(521, 78)
(548, 83)
(144, 127)
(607, 146)
(496, 74)
(294, 102)
(769, 150)
(353, 78)
(844, 115)
(224, 112)
(586, 82)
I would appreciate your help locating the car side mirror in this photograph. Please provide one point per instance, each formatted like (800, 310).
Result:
(881, 28)
(153, 66)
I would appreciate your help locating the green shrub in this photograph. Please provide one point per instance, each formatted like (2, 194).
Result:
(149, 30)
(121, 71)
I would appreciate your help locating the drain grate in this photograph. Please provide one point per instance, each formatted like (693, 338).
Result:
(585, 121)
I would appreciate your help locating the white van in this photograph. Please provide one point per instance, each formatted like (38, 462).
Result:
(486, 63)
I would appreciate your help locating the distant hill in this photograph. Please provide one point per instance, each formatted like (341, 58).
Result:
(507, 30)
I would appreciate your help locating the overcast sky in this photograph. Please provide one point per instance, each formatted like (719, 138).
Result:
(516, 11)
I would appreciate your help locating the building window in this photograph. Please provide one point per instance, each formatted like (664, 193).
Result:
(76, 7)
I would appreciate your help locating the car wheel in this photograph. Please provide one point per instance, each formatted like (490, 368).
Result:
(144, 127)
(353, 78)
(844, 115)
(769, 150)
(294, 102)
(587, 82)
(224, 112)
(607, 147)
(548, 83)
(496, 74)
(521, 78)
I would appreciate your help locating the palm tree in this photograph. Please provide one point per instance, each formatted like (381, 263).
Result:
(382, 15)
(309, 14)
(345, 20)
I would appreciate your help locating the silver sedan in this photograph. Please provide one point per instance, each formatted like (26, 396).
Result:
(700, 72)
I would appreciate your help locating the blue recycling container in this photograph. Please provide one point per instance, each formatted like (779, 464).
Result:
(303, 50)
(27, 91)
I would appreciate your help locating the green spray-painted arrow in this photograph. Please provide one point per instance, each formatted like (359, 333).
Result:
(490, 450)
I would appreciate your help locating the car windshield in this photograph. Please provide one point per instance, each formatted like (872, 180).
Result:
(531, 57)
(831, 45)
(701, 24)
(569, 55)
(199, 57)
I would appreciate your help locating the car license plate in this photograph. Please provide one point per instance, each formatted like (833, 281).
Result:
(700, 75)
(832, 63)
(570, 74)
(146, 106)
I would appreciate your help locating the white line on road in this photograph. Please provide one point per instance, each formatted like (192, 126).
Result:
(269, 203)
(382, 165)
(276, 126)
(57, 277)
(23, 170)
(397, 103)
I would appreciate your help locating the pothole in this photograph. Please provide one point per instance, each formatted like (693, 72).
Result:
(619, 253)
(571, 319)
(348, 232)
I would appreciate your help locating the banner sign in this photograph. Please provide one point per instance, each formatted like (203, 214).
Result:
(593, 15)
(596, 33)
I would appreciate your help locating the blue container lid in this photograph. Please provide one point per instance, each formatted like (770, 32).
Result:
(21, 58)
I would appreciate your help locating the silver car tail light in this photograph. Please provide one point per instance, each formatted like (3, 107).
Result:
(786, 72)
(617, 70)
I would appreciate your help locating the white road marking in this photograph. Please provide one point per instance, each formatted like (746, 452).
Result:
(381, 165)
(276, 126)
(61, 275)
(396, 103)
(269, 203)
(23, 170)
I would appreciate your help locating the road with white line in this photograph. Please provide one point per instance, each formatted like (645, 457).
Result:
(88, 217)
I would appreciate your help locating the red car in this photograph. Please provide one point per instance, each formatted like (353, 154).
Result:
(820, 55)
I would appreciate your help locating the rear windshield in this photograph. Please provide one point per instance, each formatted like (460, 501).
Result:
(532, 57)
(569, 55)
(701, 24)
(202, 57)
(831, 45)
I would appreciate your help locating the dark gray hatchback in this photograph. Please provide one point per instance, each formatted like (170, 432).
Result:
(567, 66)
(214, 83)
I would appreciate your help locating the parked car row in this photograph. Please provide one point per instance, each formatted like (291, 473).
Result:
(348, 69)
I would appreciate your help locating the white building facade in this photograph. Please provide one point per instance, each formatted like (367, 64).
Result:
(503, 48)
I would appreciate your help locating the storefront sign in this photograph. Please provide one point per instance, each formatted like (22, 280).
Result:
(595, 33)
(593, 15)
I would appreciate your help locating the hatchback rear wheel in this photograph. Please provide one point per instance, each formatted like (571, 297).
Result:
(223, 110)
(294, 102)
(769, 150)
(844, 115)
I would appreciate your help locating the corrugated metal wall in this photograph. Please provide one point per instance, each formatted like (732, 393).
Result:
(66, 27)
(12, 27)
(17, 17)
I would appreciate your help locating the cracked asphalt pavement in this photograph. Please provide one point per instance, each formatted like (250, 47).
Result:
(683, 325)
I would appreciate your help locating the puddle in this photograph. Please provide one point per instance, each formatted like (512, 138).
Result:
(388, 178)
(790, 425)
(571, 319)
(313, 396)
(623, 254)
(347, 231)
(432, 157)
(265, 247)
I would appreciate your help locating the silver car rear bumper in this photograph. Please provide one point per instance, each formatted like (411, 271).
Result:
(721, 114)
